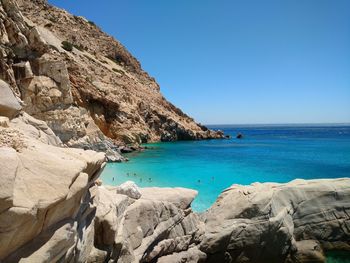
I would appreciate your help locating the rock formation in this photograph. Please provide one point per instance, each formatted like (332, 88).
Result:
(46, 193)
(271, 222)
(51, 209)
(91, 91)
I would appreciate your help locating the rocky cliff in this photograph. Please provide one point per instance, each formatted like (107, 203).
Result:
(88, 88)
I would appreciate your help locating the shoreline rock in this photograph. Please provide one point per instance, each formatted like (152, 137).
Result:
(273, 222)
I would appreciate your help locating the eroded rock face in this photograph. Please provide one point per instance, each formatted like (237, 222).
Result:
(100, 75)
(146, 229)
(35, 70)
(45, 198)
(278, 222)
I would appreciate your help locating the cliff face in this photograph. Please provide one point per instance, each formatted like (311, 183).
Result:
(98, 76)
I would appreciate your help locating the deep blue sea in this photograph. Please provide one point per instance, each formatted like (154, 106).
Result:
(265, 154)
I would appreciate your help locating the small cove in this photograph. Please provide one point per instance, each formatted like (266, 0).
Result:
(265, 154)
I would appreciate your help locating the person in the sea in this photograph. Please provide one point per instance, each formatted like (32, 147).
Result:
(150, 179)
(199, 181)
(113, 179)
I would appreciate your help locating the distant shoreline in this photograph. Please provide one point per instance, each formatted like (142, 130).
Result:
(280, 125)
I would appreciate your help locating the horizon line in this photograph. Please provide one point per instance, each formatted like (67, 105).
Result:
(281, 124)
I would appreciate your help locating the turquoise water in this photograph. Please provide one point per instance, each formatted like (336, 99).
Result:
(265, 154)
(338, 257)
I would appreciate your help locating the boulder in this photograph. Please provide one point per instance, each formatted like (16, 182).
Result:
(42, 186)
(239, 136)
(181, 197)
(271, 222)
(308, 251)
(130, 189)
(22, 70)
(9, 104)
(142, 230)
(144, 224)
(35, 128)
(110, 208)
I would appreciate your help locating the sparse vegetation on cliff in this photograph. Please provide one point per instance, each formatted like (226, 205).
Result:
(67, 46)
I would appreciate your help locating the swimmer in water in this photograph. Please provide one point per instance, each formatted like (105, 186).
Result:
(113, 179)
(199, 181)
(150, 179)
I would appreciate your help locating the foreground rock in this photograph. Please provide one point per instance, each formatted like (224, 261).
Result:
(269, 222)
(52, 209)
(46, 194)
(146, 229)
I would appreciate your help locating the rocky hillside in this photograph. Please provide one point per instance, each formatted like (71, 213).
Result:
(84, 83)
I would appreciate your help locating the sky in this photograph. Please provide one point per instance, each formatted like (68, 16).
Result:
(238, 61)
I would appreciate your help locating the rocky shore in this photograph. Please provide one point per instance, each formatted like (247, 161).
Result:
(54, 209)
(65, 112)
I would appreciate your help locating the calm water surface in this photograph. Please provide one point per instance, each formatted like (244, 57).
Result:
(265, 154)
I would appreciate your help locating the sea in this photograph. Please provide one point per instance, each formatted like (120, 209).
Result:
(265, 153)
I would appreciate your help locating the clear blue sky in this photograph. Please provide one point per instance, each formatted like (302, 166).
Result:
(243, 61)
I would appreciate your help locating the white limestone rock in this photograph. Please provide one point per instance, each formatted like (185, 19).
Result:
(130, 189)
(181, 197)
(267, 222)
(9, 104)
